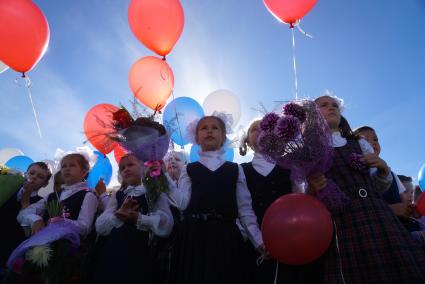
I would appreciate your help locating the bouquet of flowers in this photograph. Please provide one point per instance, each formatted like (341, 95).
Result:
(301, 141)
(149, 142)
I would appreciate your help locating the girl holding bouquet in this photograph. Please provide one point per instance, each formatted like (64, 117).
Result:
(53, 253)
(371, 245)
(127, 223)
(267, 182)
(212, 193)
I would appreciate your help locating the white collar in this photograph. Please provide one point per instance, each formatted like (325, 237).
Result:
(338, 140)
(261, 165)
(212, 159)
(68, 190)
(134, 190)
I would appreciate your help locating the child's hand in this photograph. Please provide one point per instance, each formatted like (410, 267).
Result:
(403, 209)
(37, 226)
(128, 212)
(100, 187)
(372, 160)
(28, 188)
(316, 183)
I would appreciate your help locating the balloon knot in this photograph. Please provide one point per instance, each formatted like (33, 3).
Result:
(291, 25)
(23, 75)
(163, 58)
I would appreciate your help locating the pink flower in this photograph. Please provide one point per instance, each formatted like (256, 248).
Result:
(155, 173)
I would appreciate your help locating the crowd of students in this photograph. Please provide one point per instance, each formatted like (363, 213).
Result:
(206, 228)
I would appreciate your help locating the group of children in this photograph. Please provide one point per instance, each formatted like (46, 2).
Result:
(211, 217)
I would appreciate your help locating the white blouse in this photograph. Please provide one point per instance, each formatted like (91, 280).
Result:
(180, 196)
(35, 211)
(160, 221)
(382, 183)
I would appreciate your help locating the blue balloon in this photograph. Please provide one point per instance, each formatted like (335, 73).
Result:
(102, 169)
(19, 163)
(421, 178)
(194, 153)
(178, 114)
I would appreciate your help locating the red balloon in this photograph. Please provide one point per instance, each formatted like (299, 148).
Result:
(420, 204)
(297, 229)
(289, 11)
(119, 152)
(24, 34)
(151, 80)
(98, 124)
(158, 24)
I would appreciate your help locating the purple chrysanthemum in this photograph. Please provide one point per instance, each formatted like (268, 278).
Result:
(269, 122)
(356, 163)
(288, 128)
(269, 144)
(295, 110)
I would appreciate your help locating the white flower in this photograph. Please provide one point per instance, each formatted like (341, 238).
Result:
(39, 255)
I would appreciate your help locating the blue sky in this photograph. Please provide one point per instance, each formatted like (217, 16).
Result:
(370, 53)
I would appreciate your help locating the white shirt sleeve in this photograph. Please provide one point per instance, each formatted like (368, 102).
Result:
(179, 196)
(107, 220)
(246, 213)
(160, 221)
(32, 213)
(103, 201)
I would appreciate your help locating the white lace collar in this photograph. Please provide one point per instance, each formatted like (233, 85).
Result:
(261, 165)
(68, 190)
(338, 140)
(134, 190)
(212, 159)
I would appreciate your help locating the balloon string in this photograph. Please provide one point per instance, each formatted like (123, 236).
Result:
(339, 254)
(295, 64)
(276, 272)
(28, 86)
(175, 109)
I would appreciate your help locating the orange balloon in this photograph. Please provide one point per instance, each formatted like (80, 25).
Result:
(24, 34)
(98, 124)
(289, 11)
(119, 152)
(151, 80)
(158, 24)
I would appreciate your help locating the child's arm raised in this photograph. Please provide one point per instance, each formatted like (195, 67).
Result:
(179, 196)
(107, 220)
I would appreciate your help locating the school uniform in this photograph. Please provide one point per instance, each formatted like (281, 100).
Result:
(212, 194)
(267, 182)
(125, 254)
(371, 245)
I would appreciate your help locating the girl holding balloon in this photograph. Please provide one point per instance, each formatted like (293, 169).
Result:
(212, 194)
(267, 182)
(371, 245)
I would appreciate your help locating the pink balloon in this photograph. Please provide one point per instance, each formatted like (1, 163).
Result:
(158, 24)
(289, 11)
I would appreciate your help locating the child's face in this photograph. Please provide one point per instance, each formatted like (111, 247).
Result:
(210, 134)
(174, 161)
(71, 170)
(37, 176)
(130, 170)
(407, 196)
(330, 111)
(253, 132)
(371, 137)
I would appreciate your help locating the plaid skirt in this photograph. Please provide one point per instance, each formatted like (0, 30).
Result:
(372, 246)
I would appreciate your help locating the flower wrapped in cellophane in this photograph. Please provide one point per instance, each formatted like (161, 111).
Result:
(300, 140)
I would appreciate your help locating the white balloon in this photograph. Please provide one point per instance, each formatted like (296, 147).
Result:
(223, 101)
(3, 67)
(7, 153)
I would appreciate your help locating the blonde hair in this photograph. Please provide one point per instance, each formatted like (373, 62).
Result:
(243, 148)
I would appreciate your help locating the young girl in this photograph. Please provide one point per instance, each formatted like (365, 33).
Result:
(36, 177)
(212, 194)
(78, 208)
(267, 182)
(174, 162)
(371, 244)
(127, 223)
